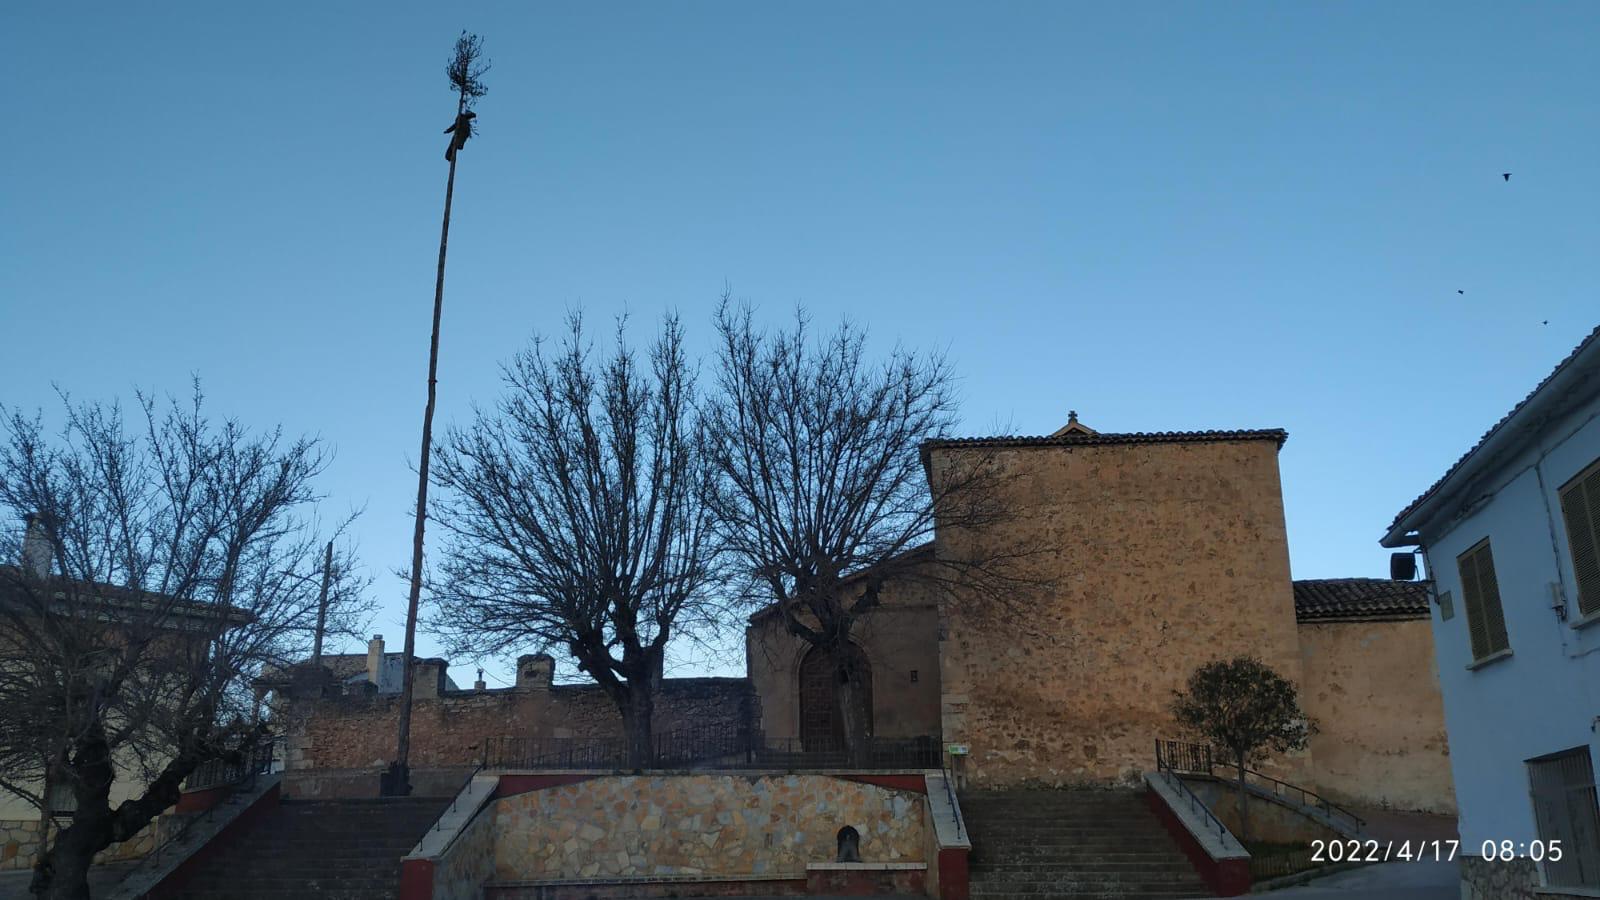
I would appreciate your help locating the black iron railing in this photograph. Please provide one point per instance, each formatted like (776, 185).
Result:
(233, 768)
(710, 750)
(955, 805)
(1295, 794)
(1184, 758)
(1167, 771)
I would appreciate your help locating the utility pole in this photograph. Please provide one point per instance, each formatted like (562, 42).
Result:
(322, 607)
(465, 72)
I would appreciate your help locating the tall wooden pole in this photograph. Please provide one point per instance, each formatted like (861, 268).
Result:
(322, 607)
(399, 775)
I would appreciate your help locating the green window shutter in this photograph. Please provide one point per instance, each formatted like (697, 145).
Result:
(1480, 594)
(1472, 599)
(1580, 507)
(1494, 616)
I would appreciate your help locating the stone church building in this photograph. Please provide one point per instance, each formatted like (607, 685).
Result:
(1163, 551)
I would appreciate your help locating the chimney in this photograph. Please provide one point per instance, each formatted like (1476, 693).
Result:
(375, 659)
(535, 672)
(38, 553)
(429, 678)
(480, 685)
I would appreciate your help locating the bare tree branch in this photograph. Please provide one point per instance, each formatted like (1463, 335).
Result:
(575, 518)
(163, 564)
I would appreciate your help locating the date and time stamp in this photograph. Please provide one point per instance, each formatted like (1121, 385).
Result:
(1354, 850)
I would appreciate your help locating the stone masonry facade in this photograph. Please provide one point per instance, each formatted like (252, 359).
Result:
(1156, 558)
(708, 825)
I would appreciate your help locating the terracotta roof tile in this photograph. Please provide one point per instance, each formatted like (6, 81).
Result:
(1359, 598)
(1091, 440)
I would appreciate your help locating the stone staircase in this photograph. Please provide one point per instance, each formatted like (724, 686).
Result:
(326, 849)
(1033, 845)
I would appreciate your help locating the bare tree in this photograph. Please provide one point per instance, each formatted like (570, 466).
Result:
(822, 494)
(465, 71)
(164, 564)
(575, 518)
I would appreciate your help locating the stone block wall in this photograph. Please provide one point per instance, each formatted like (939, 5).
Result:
(1155, 559)
(356, 730)
(900, 641)
(19, 842)
(1373, 689)
(700, 825)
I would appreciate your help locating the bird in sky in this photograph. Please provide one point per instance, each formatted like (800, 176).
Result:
(1506, 175)
(1460, 292)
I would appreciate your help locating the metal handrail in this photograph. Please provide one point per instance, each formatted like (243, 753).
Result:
(262, 757)
(955, 806)
(1197, 759)
(1172, 777)
(1329, 809)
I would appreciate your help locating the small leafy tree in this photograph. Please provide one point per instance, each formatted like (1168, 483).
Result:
(1246, 708)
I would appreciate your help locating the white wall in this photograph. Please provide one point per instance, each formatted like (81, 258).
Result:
(1545, 697)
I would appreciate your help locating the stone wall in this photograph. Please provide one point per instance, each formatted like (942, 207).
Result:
(19, 842)
(356, 730)
(710, 825)
(900, 641)
(1159, 557)
(1373, 689)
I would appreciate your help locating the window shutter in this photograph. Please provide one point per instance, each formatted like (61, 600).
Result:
(1480, 593)
(1494, 616)
(1580, 507)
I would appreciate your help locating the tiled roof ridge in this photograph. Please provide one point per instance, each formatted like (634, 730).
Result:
(1131, 437)
(1346, 598)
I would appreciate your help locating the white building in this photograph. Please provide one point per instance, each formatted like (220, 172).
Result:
(1511, 538)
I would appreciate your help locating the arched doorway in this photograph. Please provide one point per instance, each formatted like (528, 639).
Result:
(821, 725)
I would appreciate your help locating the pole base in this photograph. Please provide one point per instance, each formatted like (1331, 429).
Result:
(395, 781)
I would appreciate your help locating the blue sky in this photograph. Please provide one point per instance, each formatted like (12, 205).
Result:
(1165, 216)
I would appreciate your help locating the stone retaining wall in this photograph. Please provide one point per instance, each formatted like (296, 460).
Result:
(19, 843)
(688, 825)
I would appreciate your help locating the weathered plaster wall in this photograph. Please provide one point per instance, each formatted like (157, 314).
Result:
(713, 825)
(899, 638)
(1163, 557)
(1373, 689)
(356, 730)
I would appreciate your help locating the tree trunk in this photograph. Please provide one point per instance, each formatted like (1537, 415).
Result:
(851, 696)
(1244, 805)
(636, 715)
(63, 871)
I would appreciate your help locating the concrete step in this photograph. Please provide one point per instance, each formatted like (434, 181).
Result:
(1036, 845)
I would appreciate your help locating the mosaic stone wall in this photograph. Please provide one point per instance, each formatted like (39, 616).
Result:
(19, 842)
(624, 826)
